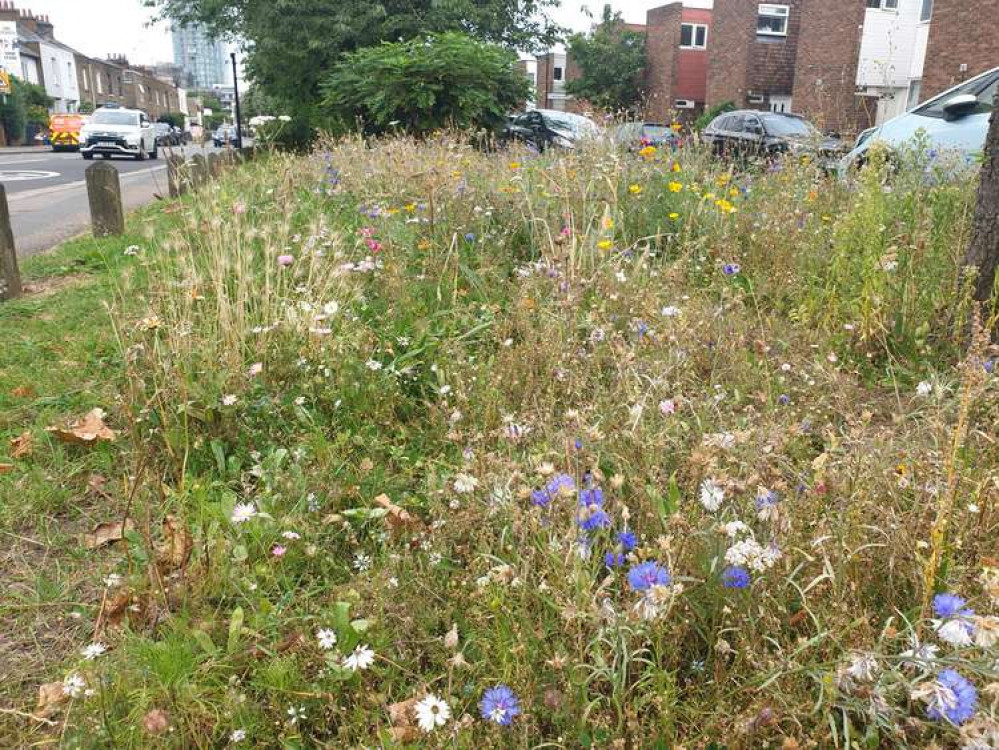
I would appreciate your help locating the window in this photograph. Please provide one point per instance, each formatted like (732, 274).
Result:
(984, 87)
(772, 20)
(883, 4)
(915, 89)
(693, 36)
(780, 103)
(100, 82)
(86, 78)
(926, 12)
(557, 74)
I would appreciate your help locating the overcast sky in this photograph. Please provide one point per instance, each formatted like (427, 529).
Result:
(102, 27)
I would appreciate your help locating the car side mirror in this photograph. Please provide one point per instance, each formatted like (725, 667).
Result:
(959, 106)
(756, 129)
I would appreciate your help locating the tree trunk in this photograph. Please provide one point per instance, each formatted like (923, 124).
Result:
(983, 253)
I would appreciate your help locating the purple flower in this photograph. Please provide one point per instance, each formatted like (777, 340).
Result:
(731, 269)
(499, 705)
(950, 605)
(593, 517)
(579, 444)
(766, 499)
(285, 260)
(953, 698)
(990, 366)
(627, 540)
(470, 237)
(645, 575)
(614, 560)
(784, 399)
(544, 497)
(736, 578)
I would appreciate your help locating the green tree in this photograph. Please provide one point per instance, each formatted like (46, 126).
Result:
(26, 104)
(426, 84)
(293, 45)
(174, 119)
(611, 61)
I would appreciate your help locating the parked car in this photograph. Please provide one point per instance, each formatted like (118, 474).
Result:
(166, 135)
(749, 133)
(636, 135)
(117, 131)
(226, 134)
(543, 128)
(956, 120)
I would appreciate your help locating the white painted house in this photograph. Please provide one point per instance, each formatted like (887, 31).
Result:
(892, 54)
(59, 74)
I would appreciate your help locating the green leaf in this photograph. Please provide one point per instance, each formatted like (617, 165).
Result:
(235, 630)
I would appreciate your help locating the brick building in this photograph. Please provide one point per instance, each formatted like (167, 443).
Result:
(752, 60)
(963, 42)
(676, 47)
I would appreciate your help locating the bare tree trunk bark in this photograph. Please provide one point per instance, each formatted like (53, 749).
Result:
(983, 253)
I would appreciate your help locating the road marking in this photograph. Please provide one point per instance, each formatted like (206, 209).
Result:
(126, 177)
(34, 160)
(21, 175)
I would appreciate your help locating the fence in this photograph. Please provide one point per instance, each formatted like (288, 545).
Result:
(107, 212)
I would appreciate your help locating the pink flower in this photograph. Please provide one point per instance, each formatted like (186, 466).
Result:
(367, 231)
(286, 260)
(278, 550)
(373, 245)
(255, 369)
(566, 231)
(667, 407)
(239, 208)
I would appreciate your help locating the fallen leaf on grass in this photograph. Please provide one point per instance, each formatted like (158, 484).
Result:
(401, 715)
(6, 468)
(22, 445)
(398, 519)
(23, 391)
(51, 696)
(157, 721)
(96, 485)
(175, 551)
(87, 431)
(107, 533)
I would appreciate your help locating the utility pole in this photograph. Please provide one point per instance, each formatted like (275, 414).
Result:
(235, 88)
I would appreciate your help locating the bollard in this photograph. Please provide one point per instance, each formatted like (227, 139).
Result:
(177, 177)
(199, 171)
(214, 166)
(10, 277)
(104, 192)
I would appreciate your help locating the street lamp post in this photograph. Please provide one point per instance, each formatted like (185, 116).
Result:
(235, 88)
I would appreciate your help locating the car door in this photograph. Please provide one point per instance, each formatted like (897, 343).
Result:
(751, 136)
(148, 131)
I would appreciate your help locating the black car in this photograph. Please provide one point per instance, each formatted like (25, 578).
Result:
(165, 135)
(542, 128)
(749, 133)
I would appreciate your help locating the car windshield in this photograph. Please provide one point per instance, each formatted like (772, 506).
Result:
(115, 118)
(656, 131)
(575, 124)
(789, 126)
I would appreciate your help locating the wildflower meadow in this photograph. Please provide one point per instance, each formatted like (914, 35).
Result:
(411, 443)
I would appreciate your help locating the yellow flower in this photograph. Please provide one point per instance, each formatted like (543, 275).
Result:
(634, 189)
(674, 216)
(423, 245)
(608, 223)
(827, 218)
(648, 152)
(722, 180)
(675, 187)
(676, 166)
(515, 165)
(676, 127)
(709, 196)
(734, 192)
(725, 206)
(410, 208)
(605, 244)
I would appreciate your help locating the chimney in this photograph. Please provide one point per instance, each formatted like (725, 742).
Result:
(44, 28)
(8, 12)
(28, 21)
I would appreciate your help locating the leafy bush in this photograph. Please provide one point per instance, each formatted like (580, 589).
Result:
(425, 85)
(708, 115)
(611, 62)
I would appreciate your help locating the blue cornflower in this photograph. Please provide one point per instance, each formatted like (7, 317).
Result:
(614, 560)
(544, 497)
(954, 698)
(591, 496)
(766, 499)
(499, 705)
(950, 605)
(642, 328)
(990, 366)
(627, 540)
(592, 517)
(731, 269)
(470, 237)
(579, 444)
(736, 578)
(784, 399)
(645, 575)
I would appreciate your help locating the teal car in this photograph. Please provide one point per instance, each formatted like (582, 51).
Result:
(955, 121)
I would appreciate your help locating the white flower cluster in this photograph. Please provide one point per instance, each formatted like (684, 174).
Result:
(749, 553)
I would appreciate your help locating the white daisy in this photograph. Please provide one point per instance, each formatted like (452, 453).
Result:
(465, 484)
(326, 638)
(73, 686)
(237, 735)
(956, 631)
(432, 712)
(924, 389)
(243, 512)
(94, 650)
(362, 658)
(374, 365)
(295, 714)
(863, 667)
(712, 496)
(229, 400)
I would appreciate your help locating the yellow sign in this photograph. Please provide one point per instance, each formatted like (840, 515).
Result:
(4, 82)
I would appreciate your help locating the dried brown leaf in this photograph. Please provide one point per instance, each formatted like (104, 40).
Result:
(156, 721)
(175, 551)
(87, 431)
(22, 445)
(6, 468)
(51, 696)
(397, 518)
(23, 391)
(401, 715)
(107, 533)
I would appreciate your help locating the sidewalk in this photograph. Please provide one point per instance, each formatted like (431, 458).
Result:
(24, 149)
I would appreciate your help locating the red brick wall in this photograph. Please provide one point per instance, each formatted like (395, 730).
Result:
(741, 63)
(691, 75)
(963, 32)
(826, 70)
(662, 47)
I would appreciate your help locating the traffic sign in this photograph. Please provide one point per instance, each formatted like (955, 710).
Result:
(4, 82)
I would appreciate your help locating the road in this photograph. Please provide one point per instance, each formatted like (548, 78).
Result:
(47, 194)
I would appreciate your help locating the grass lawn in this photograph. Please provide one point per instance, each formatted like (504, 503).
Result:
(417, 445)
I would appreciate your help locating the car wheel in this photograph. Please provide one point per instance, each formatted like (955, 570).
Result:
(142, 155)
(105, 156)
(88, 157)
(156, 153)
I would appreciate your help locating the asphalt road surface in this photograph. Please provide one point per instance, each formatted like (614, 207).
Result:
(47, 193)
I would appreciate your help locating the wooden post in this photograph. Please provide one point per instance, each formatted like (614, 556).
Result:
(199, 171)
(104, 191)
(214, 166)
(177, 178)
(10, 277)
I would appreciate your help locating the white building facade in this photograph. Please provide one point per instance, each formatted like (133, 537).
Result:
(59, 74)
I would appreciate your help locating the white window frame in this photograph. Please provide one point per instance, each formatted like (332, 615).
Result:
(694, 28)
(884, 5)
(926, 11)
(557, 73)
(771, 10)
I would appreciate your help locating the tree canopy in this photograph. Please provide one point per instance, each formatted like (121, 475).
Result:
(292, 45)
(426, 84)
(611, 60)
